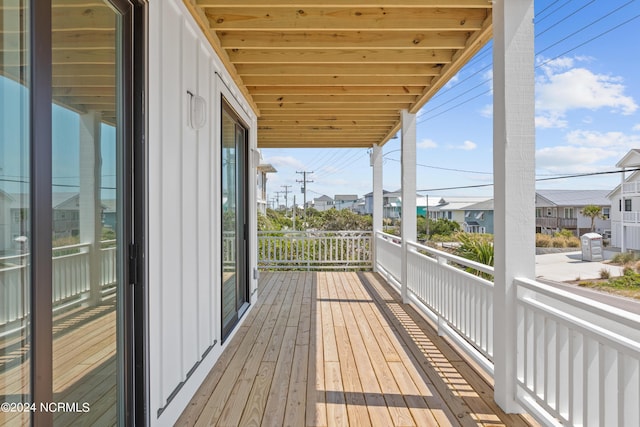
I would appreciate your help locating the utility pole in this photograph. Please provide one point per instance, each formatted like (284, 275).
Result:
(278, 199)
(286, 194)
(304, 182)
(293, 211)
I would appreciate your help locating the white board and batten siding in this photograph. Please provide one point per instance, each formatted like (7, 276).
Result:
(184, 277)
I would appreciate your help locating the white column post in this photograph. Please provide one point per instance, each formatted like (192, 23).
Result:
(376, 163)
(514, 181)
(623, 244)
(409, 213)
(90, 204)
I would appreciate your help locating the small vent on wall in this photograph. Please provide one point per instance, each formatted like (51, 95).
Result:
(197, 111)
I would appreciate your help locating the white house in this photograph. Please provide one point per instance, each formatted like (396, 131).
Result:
(625, 204)
(561, 209)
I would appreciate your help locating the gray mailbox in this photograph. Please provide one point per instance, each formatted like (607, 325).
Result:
(591, 247)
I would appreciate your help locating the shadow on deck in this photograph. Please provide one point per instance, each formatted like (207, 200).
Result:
(329, 348)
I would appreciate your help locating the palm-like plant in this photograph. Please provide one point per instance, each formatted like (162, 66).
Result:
(593, 212)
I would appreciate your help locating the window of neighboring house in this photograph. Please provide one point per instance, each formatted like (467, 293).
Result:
(467, 214)
(568, 213)
(548, 211)
(620, 205)
(480, 215)
(627, 205)
(450, 215)
(606, 213)
(538, 212)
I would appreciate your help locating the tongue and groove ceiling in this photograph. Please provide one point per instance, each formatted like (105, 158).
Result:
(338, 73)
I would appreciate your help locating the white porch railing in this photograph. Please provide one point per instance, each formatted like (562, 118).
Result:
(71, 279)
(631, 217)
(578, 361)
(314, 250)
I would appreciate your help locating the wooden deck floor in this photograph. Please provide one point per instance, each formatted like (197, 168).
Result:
(84, 367)
(333, 349)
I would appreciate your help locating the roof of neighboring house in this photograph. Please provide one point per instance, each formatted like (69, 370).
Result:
(458, 203)
(346, 197)
(487, 205)
(572, 197)
(632, 158)
(266, 168)
(323, 198)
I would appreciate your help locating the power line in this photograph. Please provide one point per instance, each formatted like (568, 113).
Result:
(580, 175)
(447, 169)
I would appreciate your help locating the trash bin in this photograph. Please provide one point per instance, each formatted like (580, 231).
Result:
(591, 247)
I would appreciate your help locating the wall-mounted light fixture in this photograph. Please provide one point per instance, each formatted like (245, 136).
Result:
(197, 111)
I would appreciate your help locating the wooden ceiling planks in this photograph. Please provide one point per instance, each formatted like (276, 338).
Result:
(338, 73)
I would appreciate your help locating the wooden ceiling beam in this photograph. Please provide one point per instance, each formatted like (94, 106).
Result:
(341, 56)
(480, 4)
(335, 90)
(331, 99)
(278, 114)
(336, 80)
(318, 106)
(318, 69)
(301, 122)
(373, 39)
(320, 18)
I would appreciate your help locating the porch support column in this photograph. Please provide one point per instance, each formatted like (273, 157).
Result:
(376, 163)
(90, 208)
(623, 244)
(514, 181)
(409, 223)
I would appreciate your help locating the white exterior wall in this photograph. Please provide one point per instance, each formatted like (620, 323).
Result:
(184, 277)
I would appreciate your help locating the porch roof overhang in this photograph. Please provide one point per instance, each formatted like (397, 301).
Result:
(337, 74)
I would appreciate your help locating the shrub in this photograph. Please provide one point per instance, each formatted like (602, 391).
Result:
(559, 242)
(543, 240)
(564, 233)
(623, 258)
(573, 242)
(605, 273)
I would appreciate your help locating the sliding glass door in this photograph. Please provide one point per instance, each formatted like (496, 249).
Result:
(66, 212)
(235, 290)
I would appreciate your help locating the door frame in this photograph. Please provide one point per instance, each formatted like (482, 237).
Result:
(132, 354)
(242, 233)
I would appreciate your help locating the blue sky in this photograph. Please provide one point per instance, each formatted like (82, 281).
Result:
(587, 114)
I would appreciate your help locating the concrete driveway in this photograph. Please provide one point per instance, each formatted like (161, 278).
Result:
(568, 266)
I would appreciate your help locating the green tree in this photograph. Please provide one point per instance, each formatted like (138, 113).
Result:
(594, 212)
(443, 227)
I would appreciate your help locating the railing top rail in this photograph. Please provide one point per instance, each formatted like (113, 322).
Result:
(595, 307)
(315, 232)
(388, 236)
(454, 258)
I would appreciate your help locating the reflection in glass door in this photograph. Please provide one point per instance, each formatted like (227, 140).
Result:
(234, 220)
(88, 142)
(15, 233)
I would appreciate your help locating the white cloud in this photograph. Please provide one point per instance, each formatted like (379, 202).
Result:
(550, 121)
(636, 127)
(467, 146)
(571, 159)
(427, 143)
(617, 141)
(563, 87)
(285, 162)
(580, 88)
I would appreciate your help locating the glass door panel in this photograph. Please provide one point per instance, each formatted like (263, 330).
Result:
(234, 248)
(15, 258)
(87, 192)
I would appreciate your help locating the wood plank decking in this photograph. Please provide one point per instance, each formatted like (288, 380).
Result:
(84, 367)
(325, 349)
